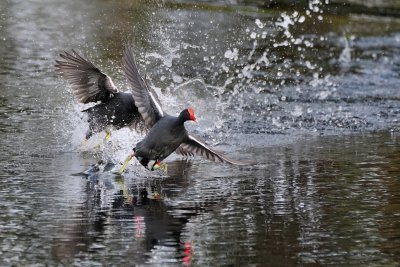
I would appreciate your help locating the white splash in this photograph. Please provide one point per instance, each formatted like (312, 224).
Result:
(345, 55)
(232, 54)
(298, 111)
(177, 79)
(259, 24)
(285, 22)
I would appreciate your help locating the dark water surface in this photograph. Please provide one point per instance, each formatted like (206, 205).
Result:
(312, 97)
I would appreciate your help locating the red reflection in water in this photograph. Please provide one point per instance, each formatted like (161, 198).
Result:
(140, 227)
(187, 252)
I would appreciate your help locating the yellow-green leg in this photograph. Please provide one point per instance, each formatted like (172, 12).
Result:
(108, 136)
(125, 193)
(130, 156)
(106, 139)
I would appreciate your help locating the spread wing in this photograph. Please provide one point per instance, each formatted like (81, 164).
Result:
(88, 83)
(145, 97)
(193, 146)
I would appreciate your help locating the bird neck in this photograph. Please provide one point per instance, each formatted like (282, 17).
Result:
(182, 118)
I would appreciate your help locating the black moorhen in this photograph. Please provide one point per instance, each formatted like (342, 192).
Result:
(167, 133)
(89, 84)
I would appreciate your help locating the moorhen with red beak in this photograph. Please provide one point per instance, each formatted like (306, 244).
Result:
(89, 84)
(167, 133)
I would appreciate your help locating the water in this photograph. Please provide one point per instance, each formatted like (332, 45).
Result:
(310, 96)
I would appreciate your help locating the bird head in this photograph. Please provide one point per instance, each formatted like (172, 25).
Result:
(188, 115)
(191, 114)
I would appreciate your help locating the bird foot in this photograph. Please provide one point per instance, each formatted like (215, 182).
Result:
(160, 166)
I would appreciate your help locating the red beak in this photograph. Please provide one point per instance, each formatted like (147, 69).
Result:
(191, 114)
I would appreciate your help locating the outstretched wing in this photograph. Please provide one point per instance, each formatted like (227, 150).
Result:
(145, 97)
(88, 83)
(193, 146)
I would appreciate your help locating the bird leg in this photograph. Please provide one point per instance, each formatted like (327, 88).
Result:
(108, 135)
(130, 156)
(125, 193)
(105, 140)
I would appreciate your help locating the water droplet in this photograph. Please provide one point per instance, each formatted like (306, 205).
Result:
(259, 24)
(298, 111)
(232, 54)
(177, 78)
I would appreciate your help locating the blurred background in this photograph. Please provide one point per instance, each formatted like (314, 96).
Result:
(307, 89)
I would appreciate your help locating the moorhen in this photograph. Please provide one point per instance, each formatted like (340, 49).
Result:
(167, 133)
(89, 84)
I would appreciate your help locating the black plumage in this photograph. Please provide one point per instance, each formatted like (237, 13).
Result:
(167, 133)
(118, 111)
(164, 137)
(89, 84)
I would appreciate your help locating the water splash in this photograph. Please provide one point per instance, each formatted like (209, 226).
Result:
(345, 55)
(285, 22)
(272, 78)
(232, 54)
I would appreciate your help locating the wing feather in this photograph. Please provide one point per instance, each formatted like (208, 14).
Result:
(88, 83)
(145, 97)
(194, 146)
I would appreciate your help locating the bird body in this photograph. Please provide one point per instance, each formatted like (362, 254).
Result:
(167, 133)
(162, 139)
(89, 84)
(142, 110)
(119, 111)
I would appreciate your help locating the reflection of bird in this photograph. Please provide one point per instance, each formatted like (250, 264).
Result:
(114, 208)
(167, 133)
(89, 84)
